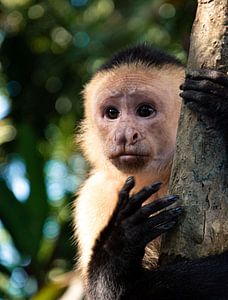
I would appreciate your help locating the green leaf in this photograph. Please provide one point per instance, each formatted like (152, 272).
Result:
(14, 217)
(37, 206)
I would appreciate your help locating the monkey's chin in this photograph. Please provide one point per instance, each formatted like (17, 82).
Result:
(130, 164)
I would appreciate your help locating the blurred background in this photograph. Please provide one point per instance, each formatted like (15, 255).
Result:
(48, 50)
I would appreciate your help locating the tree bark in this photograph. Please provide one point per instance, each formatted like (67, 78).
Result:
(199, 174)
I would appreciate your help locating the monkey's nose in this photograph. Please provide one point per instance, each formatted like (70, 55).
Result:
(128, 136)
(132, 135)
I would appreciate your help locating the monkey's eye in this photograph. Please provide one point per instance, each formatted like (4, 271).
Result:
(111, 112)
(145, 110)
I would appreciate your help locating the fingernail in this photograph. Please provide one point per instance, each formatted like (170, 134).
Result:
(178, 210)
(130, 182)
(172, 198)
(130, 179)
(170, 225)
(155, 185)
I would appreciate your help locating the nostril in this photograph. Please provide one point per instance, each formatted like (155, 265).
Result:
(135, 136)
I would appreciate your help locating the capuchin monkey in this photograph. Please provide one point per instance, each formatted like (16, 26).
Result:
(128, 135)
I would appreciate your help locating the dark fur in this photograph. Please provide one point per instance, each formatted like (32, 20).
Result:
(143, 53)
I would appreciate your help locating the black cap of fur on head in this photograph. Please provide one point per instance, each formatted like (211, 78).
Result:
(144, 54)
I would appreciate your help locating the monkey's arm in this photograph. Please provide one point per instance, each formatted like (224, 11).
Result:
(115, 270)
(206, 92)
(203, 279)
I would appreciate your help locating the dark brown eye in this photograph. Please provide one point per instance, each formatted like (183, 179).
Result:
(111, 113)
(145, 110)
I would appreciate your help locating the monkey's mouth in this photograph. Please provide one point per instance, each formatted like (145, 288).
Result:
(129, 161)
(128, 155)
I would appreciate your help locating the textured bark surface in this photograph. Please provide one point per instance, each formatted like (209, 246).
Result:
(199, 175)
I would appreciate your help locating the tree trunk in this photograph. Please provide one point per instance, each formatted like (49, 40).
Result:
(199, 174)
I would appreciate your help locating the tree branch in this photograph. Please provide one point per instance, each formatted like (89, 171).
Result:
(199, 172)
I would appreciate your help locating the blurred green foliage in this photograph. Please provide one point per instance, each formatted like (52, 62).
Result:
(49, 49)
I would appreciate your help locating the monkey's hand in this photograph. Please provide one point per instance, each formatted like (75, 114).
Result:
(120, 247)
(206, 92)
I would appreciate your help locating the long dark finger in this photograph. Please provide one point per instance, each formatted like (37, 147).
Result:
(204, 86)
(124, 192)
(199, 97)
(160, 223)
(149, 209)
(160, 229)
(215, 76)
(145, 235)
(129, 184)
(199, 102)
(145, 193)
(123, 198)
(164, 217)
(136, 201)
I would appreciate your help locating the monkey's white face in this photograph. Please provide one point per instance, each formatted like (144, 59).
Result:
(136, 112)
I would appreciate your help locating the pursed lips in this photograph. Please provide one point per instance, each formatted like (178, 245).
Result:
(128, 154)
(129, 157)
